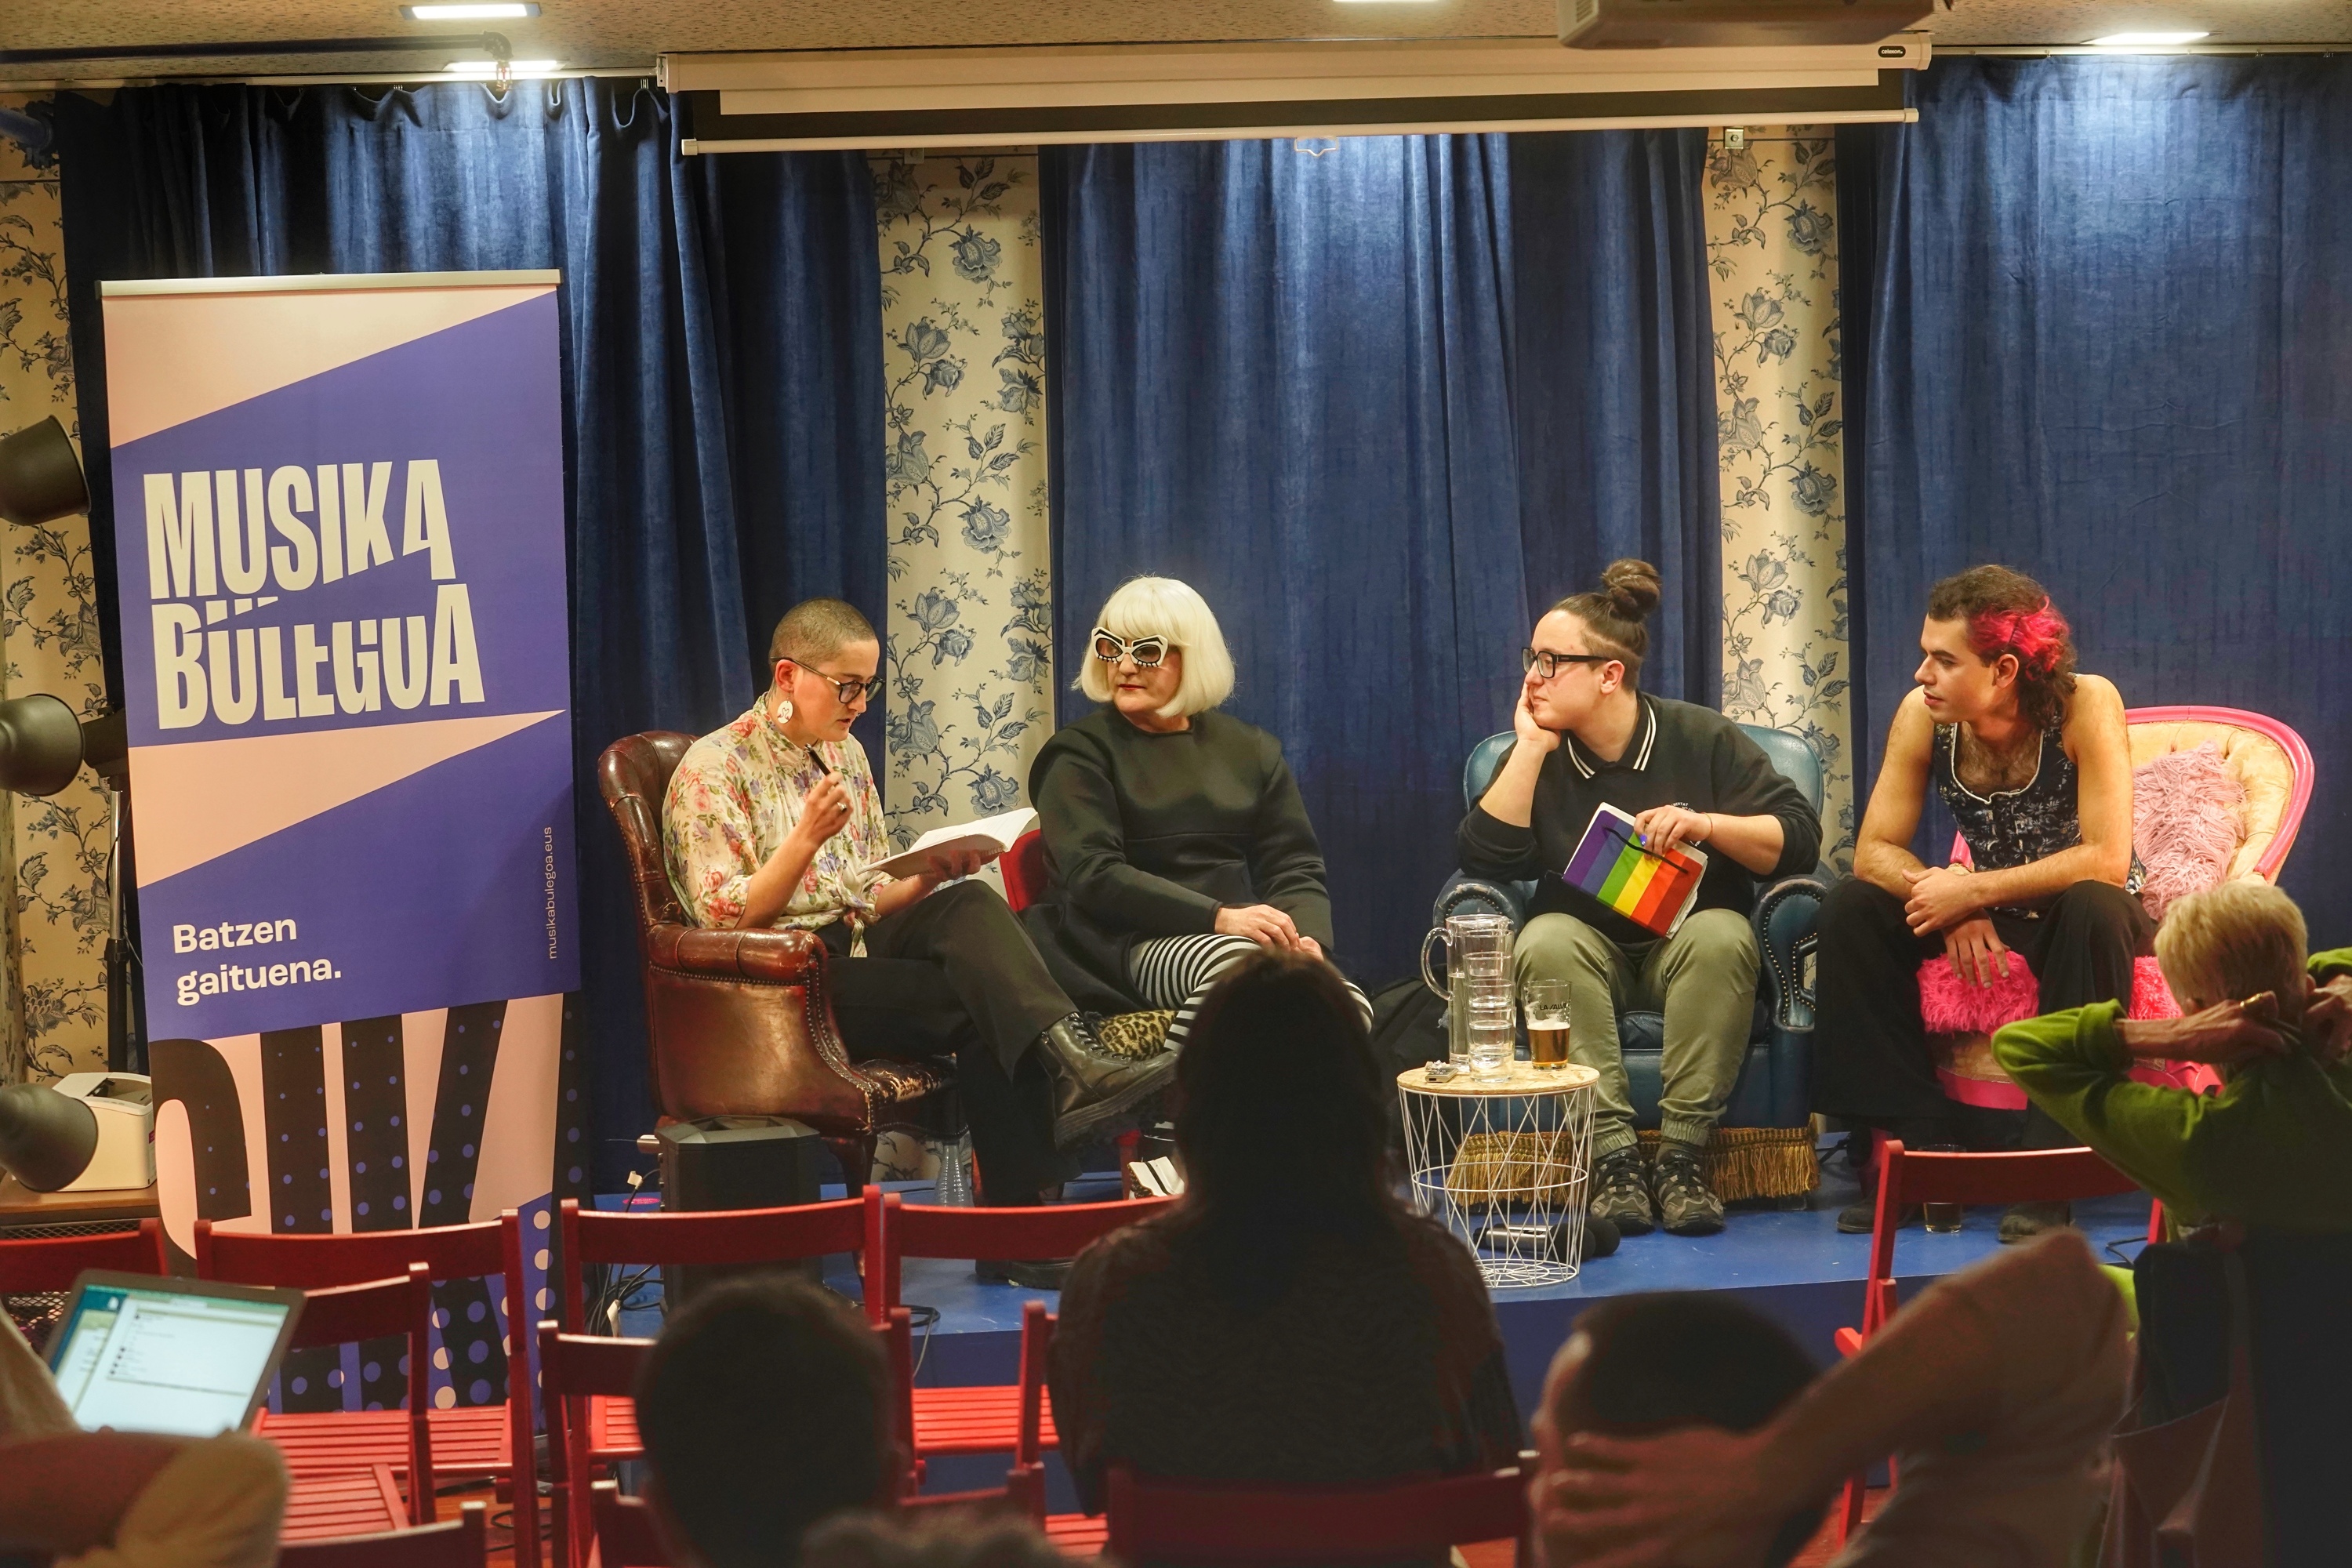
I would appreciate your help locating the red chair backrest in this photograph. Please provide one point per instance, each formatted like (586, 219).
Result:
(1904, 1178)
(1208, 1522)
(1023, 870)
(38, 1264)
(462, 1542)
(719, 1236)
(402, 1305)
(1036, 1365)
(626, 1537)
(311, 1262)
(897, 1230)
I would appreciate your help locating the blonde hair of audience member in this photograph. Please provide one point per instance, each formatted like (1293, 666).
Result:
(2232, 942)
(1164, 607)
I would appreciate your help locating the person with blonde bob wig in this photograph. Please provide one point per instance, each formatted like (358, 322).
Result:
(1176, 840)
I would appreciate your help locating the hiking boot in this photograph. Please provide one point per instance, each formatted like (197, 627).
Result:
(1687, 1203)
(1621, 1191)
(2023, 1222)
(1860, 1217)
(1091, 1088)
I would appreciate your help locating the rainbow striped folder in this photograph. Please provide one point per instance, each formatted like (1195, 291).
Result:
(1652, 890)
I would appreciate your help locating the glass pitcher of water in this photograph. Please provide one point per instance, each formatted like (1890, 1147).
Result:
(1479, 1002)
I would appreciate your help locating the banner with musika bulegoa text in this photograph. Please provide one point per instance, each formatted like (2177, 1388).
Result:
(338, 516)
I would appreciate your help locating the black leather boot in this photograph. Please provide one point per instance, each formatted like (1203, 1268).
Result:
(1091, 1088)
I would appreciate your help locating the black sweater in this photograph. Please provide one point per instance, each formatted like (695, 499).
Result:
(1148, 835)
(1679, 753)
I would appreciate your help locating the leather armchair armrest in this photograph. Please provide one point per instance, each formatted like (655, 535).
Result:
(1464, 894)
(779, 957)
(1785, 918)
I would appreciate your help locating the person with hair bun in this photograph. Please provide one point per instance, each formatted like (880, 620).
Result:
(2035, 763)
(1587, 737)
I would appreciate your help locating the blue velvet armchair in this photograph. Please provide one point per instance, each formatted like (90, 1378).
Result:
(1775, 1087)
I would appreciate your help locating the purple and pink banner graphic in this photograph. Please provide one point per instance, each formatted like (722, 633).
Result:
(339, 520)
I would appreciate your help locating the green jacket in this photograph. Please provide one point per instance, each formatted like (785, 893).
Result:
(2274, 1148)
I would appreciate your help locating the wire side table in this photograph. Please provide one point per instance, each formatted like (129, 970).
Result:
(1501, 1163)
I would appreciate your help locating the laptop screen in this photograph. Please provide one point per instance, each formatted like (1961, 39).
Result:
(169, 1356)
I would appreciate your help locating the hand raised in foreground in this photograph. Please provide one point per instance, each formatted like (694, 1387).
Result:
(2327, 1020)
(1691, 1498)
(1531, 734)
(2223, 1035)
(824, 811)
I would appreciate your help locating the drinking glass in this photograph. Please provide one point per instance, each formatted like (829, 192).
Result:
(1545, 1002)
(1944, 1219)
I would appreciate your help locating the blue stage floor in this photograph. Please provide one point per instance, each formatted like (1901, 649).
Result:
(1794, 1267)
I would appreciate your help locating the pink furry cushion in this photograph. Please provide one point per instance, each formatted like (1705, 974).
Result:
(1950, 1006)
(2189, 817)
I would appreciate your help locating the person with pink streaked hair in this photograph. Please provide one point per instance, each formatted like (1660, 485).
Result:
(2033, 761)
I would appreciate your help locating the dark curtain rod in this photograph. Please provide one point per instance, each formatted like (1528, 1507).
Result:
(493, 44)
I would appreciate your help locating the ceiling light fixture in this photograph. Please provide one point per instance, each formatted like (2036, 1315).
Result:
(2147, 40)
(477, 11)
(516, 69)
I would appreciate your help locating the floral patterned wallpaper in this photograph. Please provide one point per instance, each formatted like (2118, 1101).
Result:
(968, 648)
(52, 851)
(1771, 243)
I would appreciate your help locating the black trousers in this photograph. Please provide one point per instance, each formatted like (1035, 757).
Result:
(954, 974)
(1869, 1047)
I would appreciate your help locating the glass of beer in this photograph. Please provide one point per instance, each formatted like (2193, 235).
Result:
(1545, 1002)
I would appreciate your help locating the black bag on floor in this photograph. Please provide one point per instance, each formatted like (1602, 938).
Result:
(1408, 1030)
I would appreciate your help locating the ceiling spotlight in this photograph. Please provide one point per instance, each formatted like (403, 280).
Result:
(516, 70)
(474, 11)
(2147, 40)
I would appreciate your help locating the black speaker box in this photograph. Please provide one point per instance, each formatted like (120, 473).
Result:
(738, 1162)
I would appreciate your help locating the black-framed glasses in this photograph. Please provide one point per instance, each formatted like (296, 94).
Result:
(848, 688)
(1546, 664)
(1147, 652)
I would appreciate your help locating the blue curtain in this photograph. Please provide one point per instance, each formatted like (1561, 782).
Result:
(1320, 388)
(1615, 392)
(2109, 342)
(723, 381)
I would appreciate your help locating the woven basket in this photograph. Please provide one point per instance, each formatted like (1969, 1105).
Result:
(1511, 1167)
(1741, 1163)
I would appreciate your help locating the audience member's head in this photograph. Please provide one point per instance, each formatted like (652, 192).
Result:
(2233, 941)
(1640, 1366)
(764, 1407)
(1279, 1119)
(930, 1539)
(2006, 619)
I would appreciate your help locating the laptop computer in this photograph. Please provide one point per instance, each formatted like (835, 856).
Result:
(192, 1358)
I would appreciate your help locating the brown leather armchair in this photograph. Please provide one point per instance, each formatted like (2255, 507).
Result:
(737, 1023)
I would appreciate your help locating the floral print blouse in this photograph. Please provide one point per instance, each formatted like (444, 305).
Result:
(735, 797)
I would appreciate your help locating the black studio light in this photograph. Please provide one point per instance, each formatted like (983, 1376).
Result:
(43, 745)
(41, 477)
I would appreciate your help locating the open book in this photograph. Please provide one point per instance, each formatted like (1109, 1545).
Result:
(989, 834)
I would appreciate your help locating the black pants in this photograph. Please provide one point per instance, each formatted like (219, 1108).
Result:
(1869, 1047)
(955, 975)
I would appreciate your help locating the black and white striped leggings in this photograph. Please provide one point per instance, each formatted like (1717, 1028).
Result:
(1174, 972)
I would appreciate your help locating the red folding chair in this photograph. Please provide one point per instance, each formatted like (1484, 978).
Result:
(480, 1440)
(1207, 1522)
(573, 1370)
(462, 1542)
(981, 1420)
(715, 1236)
(1908, 1178)
(342, 1314)
(37, 1265)
(1074, 1534)
(626, 1537)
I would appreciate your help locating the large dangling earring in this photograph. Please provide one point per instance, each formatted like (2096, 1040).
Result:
(784, 709)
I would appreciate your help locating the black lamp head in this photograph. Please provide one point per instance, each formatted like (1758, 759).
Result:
(40, 744)
(41, 477)
(46, 1139)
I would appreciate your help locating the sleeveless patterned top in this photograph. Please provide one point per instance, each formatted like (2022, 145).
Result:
(2017, 826)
